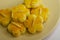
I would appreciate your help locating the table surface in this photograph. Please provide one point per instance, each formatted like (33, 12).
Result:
(56, 34)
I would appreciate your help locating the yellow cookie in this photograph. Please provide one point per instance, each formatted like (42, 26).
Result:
(35, 3)
(16, 28)
(27, 3)
(32, 3)
(28, 23)
(5, 17)
(20, 26)
(45, 14)
(37, 11)
(19, 17)
(20, 13)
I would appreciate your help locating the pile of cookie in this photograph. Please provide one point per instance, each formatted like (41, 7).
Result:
(27, 17)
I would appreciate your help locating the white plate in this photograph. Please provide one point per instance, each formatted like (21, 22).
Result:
(53, 6)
